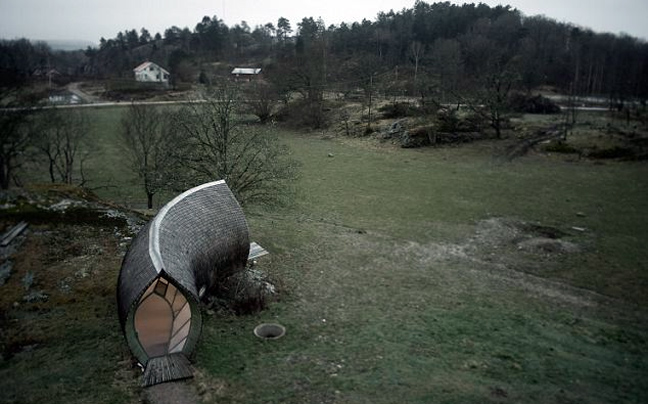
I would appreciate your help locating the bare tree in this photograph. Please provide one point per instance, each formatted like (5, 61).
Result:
(499, 77)
(569, 118)
(495, 97)
(219, 146)
(416, 51)
(14, 140)
(366, 69)
(147, 138)
(62, 139)
(15, 128)
(261, 100)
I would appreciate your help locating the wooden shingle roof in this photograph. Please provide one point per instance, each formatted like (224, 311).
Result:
(191, 237)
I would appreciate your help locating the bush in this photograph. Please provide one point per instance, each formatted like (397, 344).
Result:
(474, 122)
(305, 113)
(418, 137)
(242, 293)
(533, 104)
(613, 153)
(456, 137)
(449, 121)
(561, 147)
(428, 136)
(398, 110)
(250, 299)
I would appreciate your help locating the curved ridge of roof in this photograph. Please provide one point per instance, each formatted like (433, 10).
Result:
(154, 230)
(198, 231)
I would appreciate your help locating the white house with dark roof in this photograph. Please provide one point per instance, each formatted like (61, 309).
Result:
(149, 72)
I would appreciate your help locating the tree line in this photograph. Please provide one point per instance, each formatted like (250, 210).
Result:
(440, 47)
(441, 53)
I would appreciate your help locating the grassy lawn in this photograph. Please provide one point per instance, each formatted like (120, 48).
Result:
(400, 287)
(407, 276)
(107, 168)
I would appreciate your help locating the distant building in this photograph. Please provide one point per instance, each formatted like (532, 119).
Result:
(63, 98)
(149, 72)
(246, 73)
(46, 73)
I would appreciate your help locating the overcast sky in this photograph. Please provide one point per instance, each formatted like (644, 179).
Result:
(92, 19)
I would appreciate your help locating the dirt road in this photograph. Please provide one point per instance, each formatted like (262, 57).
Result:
(75, 88)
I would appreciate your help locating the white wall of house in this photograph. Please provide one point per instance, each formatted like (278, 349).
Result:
(152, 73)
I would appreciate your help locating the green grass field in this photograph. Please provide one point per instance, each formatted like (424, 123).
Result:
(400, 288)
(405, 276)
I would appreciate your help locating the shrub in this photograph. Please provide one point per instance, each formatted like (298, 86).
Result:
(244, 292)
(533, 104)
(449, 121)
(398, 110)
(417, 137)
(561, 147)
(250, 299)
(305, 113)
(428, 136)
(613, 153)
(474, 122)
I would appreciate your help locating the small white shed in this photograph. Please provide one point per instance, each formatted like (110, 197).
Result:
(246, 73)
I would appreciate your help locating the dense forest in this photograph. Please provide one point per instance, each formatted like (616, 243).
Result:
(440, 50)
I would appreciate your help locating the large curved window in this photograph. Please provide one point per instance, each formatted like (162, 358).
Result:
(162, 319)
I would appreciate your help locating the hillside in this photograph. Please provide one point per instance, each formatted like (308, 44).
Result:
(426, 274)
(441, 51)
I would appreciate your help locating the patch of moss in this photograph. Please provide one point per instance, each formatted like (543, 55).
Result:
(561, 147)
(613, 153)
(73, 215)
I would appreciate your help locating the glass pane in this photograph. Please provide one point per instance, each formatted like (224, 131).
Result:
(181, 318)
(178, 347)
(153, 324)
(178, 303)
(149, 290)
(171, 290)
(160, 288)
(177, 342)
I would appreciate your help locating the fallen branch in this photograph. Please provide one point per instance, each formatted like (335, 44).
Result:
(9, 236)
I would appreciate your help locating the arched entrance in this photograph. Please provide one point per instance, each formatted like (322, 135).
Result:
(162, 319)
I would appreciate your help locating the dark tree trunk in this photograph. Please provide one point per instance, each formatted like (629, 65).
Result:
(51, 171)
(5, 175)
(497, 124)
(149, 198)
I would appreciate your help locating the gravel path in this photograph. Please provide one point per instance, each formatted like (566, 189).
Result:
(179, 392)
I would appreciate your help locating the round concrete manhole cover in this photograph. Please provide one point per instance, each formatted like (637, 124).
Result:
(269, 331)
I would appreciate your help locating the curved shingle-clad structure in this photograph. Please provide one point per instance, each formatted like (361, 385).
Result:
(170, 264)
